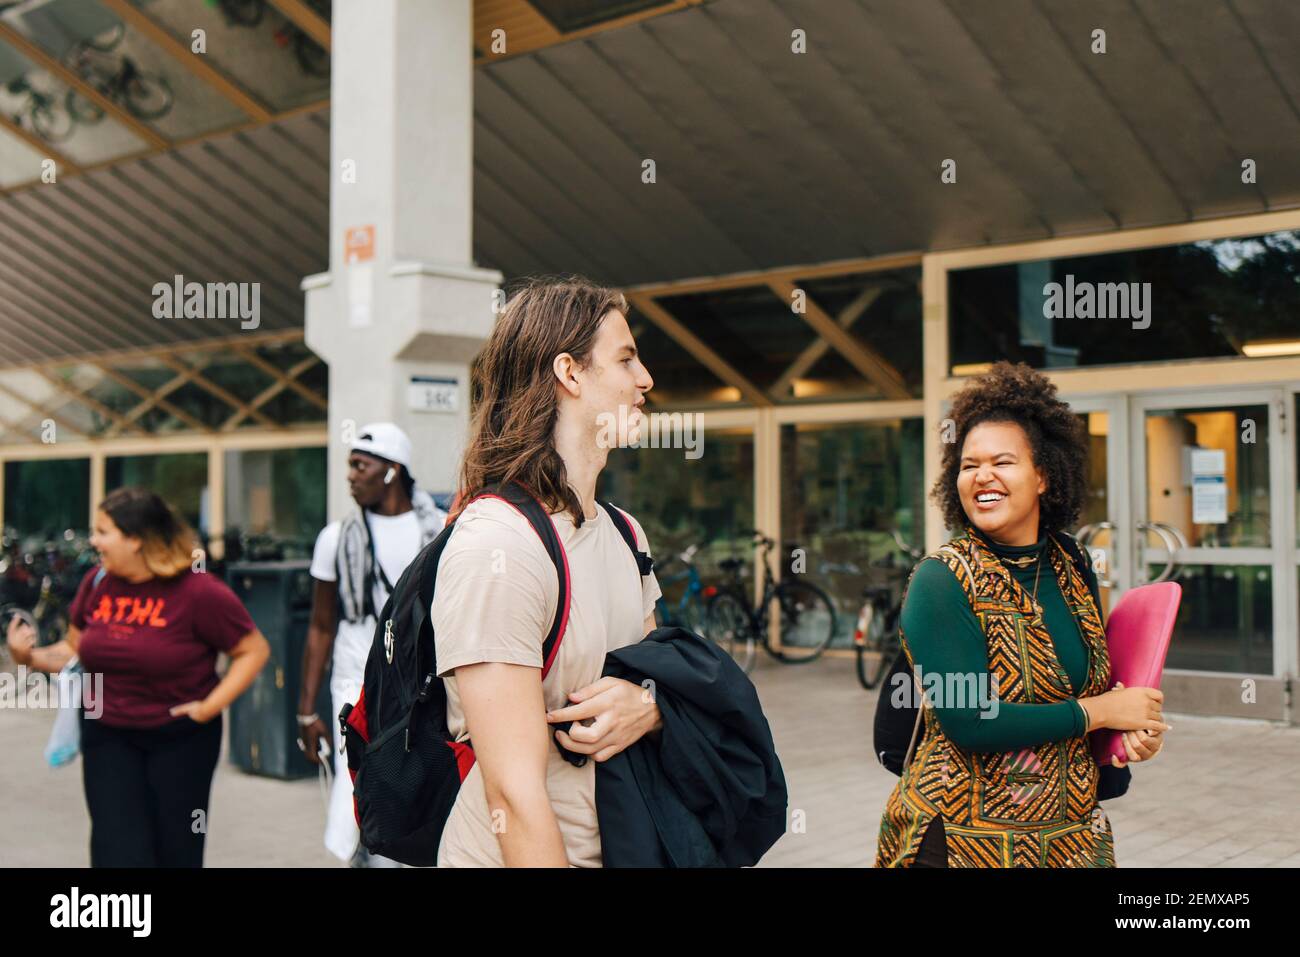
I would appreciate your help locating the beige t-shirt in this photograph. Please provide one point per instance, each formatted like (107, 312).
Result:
(496, 597)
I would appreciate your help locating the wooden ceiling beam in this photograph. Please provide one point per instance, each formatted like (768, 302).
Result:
(692, 343)
(305, 19)
(878, 370)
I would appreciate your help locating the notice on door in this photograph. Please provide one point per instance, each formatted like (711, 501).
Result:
(1209, 487)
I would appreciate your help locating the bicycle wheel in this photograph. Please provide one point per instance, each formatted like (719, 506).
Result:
(107, 41)
(727, 626)
(874, 645)
(51, 125)
(83, 110)
(243, 13)
(148, 96)
(807, 622)
(692, 617)
(313, 59)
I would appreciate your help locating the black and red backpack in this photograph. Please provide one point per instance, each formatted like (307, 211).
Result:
(406, 769)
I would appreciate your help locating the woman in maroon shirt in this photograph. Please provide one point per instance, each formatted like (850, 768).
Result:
(152, 627)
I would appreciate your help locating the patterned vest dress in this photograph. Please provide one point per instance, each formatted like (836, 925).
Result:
(1033, 807)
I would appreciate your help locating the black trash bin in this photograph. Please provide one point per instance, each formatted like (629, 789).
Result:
(263, 726)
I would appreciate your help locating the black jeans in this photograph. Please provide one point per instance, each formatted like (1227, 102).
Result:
(934, 847)
(143, 789)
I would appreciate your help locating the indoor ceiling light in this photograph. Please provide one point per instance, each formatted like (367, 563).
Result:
(1272, 347)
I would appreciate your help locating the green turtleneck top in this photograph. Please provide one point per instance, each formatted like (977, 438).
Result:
(945, 637)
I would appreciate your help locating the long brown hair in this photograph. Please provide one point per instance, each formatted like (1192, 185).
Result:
(167, 542)
(513, 389)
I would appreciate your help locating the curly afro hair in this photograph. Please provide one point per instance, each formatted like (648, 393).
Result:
(1058, 438)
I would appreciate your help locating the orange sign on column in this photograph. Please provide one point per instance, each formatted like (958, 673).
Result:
(359, 244)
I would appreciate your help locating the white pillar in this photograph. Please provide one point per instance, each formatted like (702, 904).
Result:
(401, 156)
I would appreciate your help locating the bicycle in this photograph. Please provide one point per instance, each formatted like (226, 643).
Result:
(41, 112)
(876, 636)
(807, 621)
(240, 13)
(147, 96)
(57, 20)
(688, 613)
(39, 584)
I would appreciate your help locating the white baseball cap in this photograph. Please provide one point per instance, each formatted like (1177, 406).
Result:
(385, 440)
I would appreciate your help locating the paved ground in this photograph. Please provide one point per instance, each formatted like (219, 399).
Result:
(1223, 793)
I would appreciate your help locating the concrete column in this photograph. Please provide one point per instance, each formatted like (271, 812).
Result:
(412, 303)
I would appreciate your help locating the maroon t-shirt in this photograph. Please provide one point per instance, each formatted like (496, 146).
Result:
(155, 642)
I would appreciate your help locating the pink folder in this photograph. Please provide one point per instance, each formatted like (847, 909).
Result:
(1137, 634)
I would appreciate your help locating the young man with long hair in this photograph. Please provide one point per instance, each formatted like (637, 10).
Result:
(559, 367)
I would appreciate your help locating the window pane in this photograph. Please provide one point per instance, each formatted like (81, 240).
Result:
(680, 378)
(106, 53)
(1230, 297)
(882, 312)
(1225, 621)
(570, 15)
(1220, 503)
(845, 491)
(45, 106)
(274, 497)
(759, 333)
(706, 501)
(180, 479)
(750, 328)
(254, 45)
(46, 497)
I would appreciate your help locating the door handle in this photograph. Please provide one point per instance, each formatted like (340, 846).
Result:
(1173, 540)
(1181, 543)
(1085, 535)
(1177, 533)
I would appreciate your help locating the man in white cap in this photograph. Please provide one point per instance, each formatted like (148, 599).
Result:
(355, 564)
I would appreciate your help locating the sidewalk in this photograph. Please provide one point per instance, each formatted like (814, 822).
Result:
(1183, 810)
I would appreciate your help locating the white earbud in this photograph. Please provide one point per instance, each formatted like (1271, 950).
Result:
(390, 475)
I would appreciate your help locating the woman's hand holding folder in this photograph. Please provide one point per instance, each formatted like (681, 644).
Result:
(1135, 711)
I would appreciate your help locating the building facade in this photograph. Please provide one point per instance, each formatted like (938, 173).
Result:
(810, 280)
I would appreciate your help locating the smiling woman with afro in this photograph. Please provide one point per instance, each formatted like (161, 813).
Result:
(1058, 442)
(1002, 627)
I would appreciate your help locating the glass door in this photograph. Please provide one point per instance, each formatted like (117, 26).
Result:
(1105, 527)
(1206, 475)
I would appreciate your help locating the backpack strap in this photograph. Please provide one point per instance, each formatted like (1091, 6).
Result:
(644, 563)
(523, 502)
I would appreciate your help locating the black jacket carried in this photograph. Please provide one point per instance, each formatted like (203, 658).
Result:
(709, 792)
